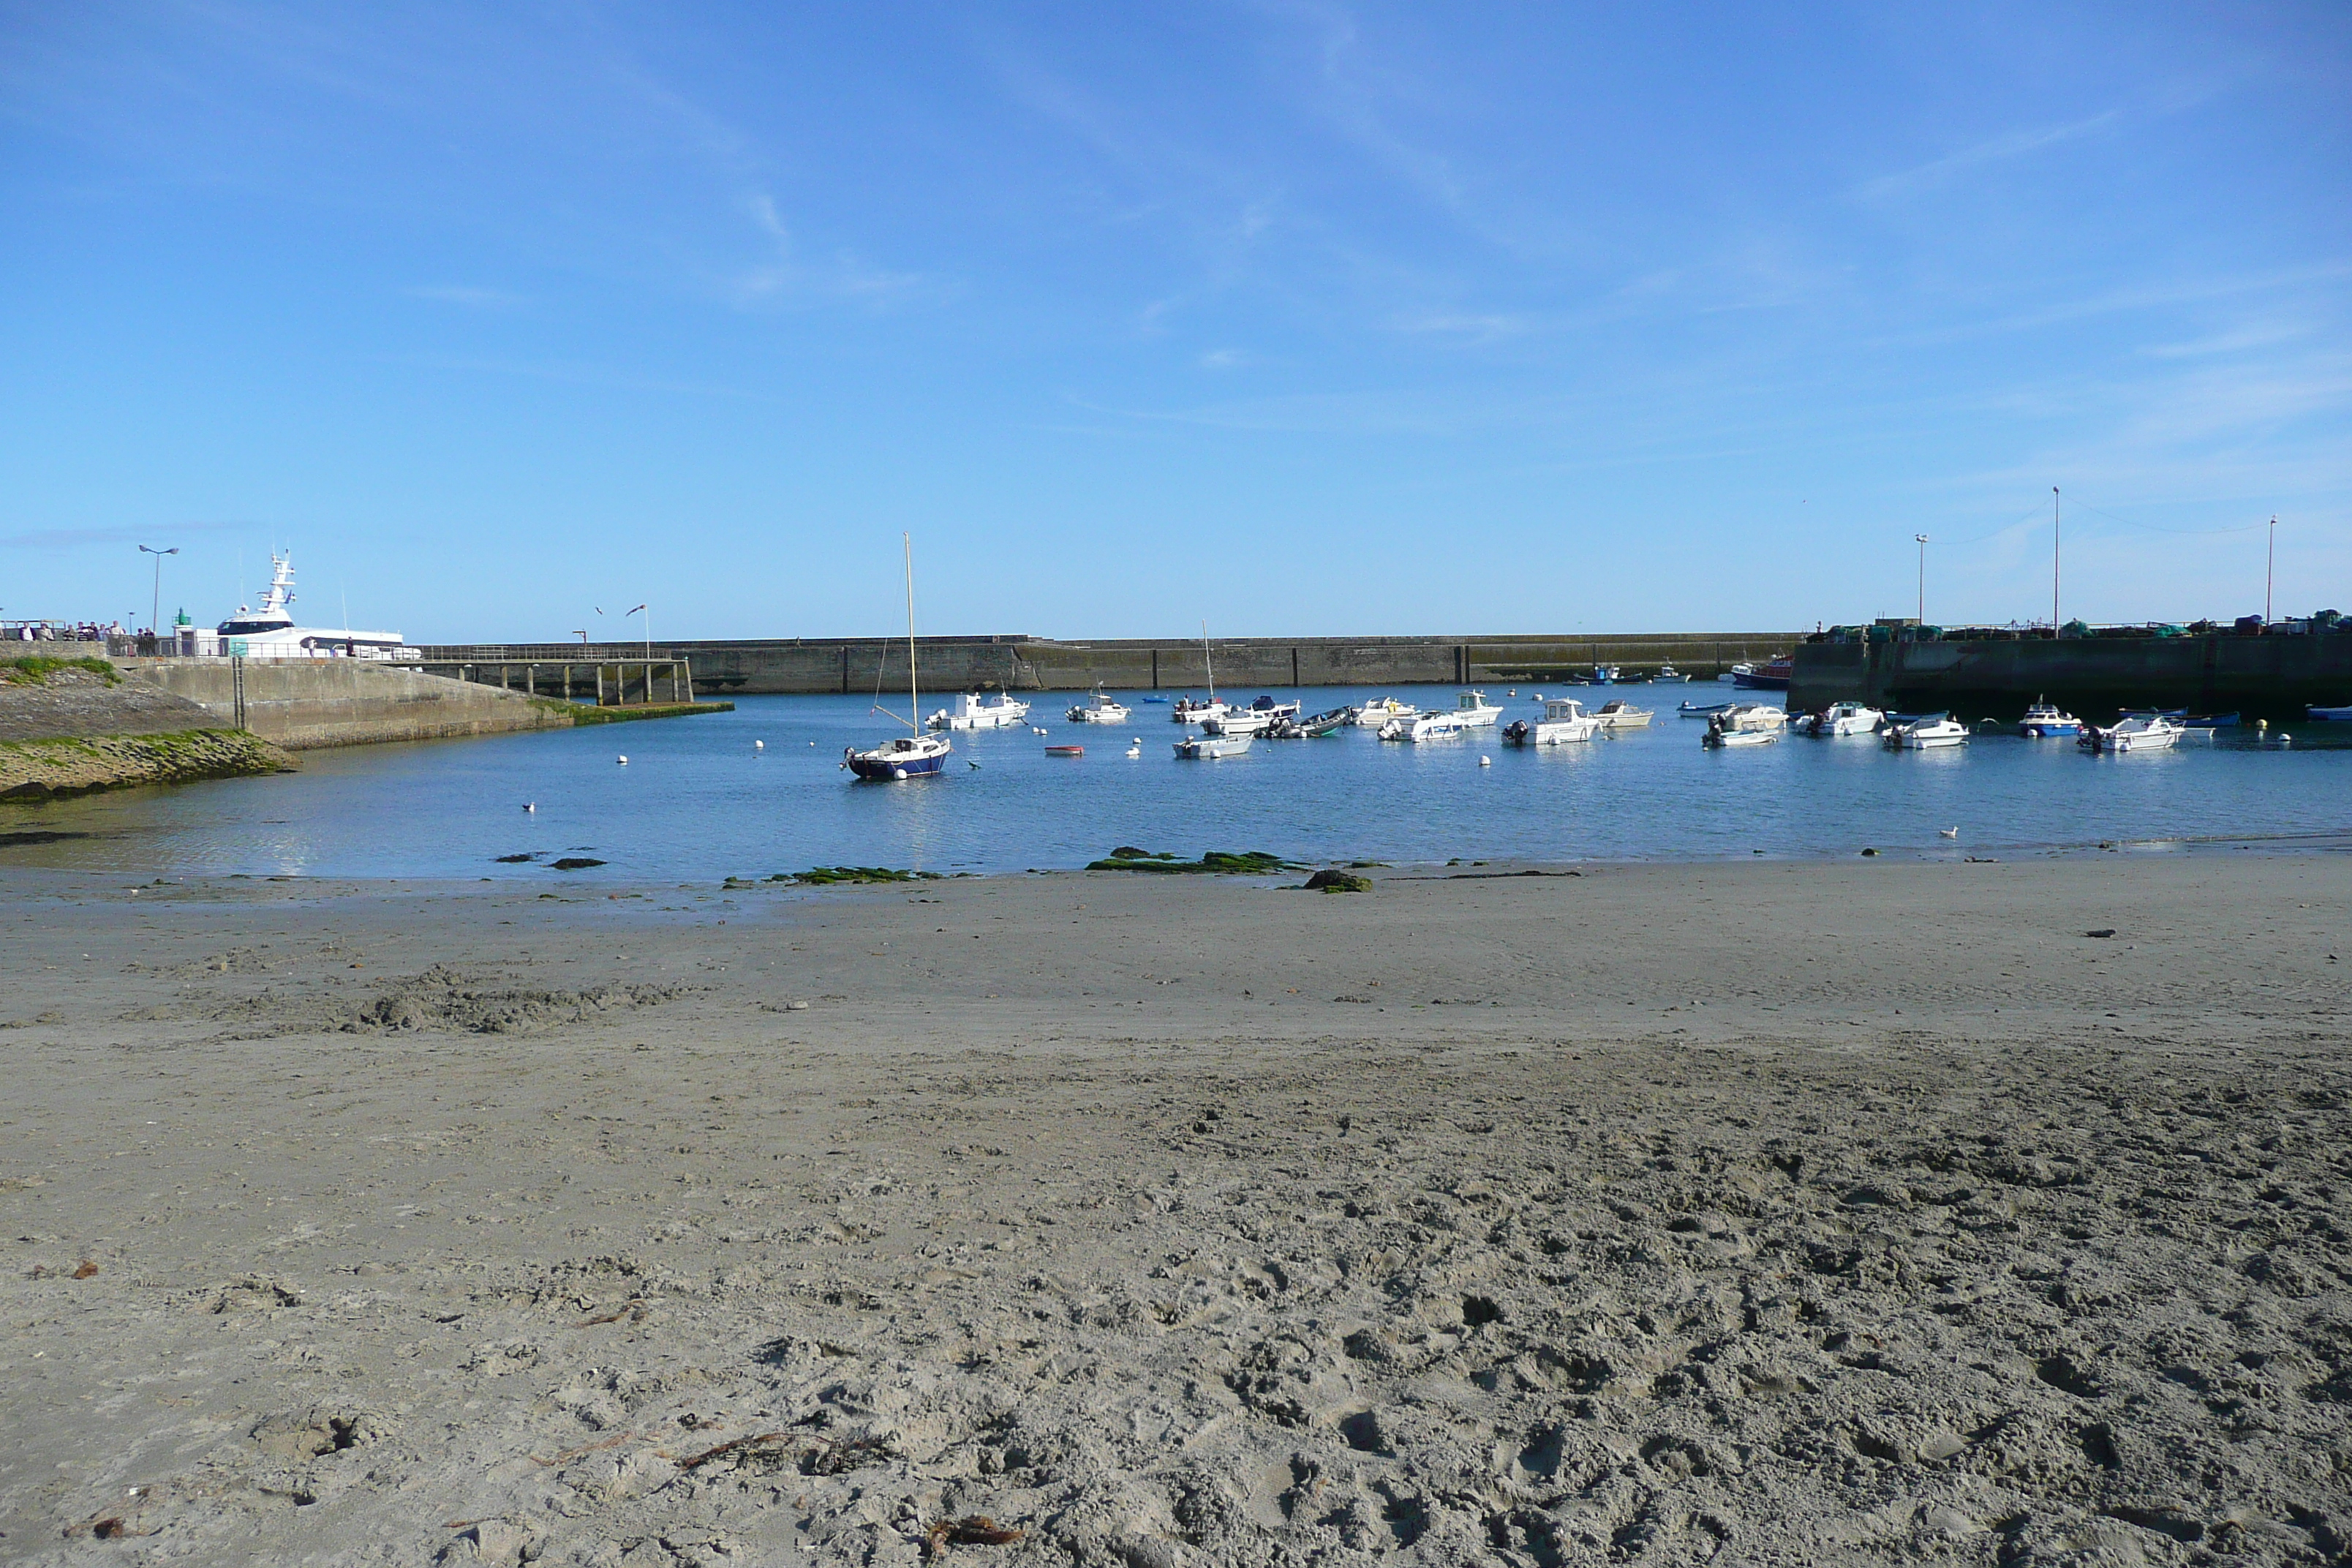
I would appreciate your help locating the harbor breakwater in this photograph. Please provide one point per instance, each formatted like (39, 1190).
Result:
(2268, 676)
(809, 666)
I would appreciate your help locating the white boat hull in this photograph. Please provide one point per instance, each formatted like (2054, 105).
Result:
(1718, 739)
(1426, 727)
(1552, 732)
(1211, 748)
(1108, 713)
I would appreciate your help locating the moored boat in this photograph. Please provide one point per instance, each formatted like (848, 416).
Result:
(2134, 732)
(1926, 733)
(1187, 711)
(1564, 721)
(981, 710)
(1604, 675)
(1100, 708)
(1845, 719)
(1726, 730)
(1381, 710)
(1618, 714)
(916, 755)
(1770, 676)
(1065, 750)
(1704, 710)
(1328, 722)
(1211, 748)
(2324, 715)
(1424, 727)
(1472, 709)
(2044, 720)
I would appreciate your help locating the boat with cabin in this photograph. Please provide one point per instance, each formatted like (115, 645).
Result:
(1432, 726)
(271, 631)
(1618, 714)
(1845, 719)
(2134, 732)
(1564, 721)
(1770, 676)
(981, 710)
(910, 756)
(2045, 720)
(1604, 675)
(1099, 708)
(1926, 733)
(1472, 709)
(1381, 710)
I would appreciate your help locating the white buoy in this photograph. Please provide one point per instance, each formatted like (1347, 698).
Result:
(1485, 762)
(624, 760)
(761, 746)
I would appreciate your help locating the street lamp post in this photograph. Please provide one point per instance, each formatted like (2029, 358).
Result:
(155, 612)
(2269, 564)
(1923, 577)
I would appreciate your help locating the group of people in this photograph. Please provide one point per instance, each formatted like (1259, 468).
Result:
(60, 631)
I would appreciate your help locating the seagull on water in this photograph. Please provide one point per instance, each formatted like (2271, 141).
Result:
(1948, 832)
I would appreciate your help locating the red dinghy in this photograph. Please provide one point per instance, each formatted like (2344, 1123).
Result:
(1065, 750)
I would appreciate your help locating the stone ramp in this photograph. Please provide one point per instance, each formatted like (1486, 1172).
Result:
(71, 703)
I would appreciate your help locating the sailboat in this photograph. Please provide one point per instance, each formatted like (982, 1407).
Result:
(915, 754)
(1187, 712)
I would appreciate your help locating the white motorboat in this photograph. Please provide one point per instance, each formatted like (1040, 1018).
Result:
(1257, 718)
(2328, 715)
(2139, 732)
(915, 755)
(269, 632)
(1618, 714)
(1720, 734)
(1751, 716)
(1926, 733)
(1845, 719)
(2045, 721)
(1100, 708)
(1564, 721)
(1372, 715)
(1424, 727)
(1669, 676)
(1211, 748)
(1472, 709)
(1185, 711)
(981, 710)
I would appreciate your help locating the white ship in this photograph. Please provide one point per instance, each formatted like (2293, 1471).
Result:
(269, 632)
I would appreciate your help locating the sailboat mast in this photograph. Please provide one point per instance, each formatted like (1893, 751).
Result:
(2053, 560)
(914, 701)
(1210, 659)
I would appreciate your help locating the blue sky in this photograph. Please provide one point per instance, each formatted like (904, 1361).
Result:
(1303, 318)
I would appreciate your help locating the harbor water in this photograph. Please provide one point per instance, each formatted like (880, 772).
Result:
(697, 799)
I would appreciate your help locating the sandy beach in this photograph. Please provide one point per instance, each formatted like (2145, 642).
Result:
(1872, 1211)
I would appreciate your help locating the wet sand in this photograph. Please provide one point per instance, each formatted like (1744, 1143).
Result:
(1866, 1211)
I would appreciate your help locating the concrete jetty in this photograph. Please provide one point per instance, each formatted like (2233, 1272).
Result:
(1022, 662)
(1995, 675)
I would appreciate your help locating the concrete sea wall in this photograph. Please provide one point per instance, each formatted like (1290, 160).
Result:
(301, 704)
(2270, 675)
(1026, 663)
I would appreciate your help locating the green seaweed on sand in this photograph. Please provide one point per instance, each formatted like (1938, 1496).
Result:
(1337, 882)
(827, 876)
(1253, 863)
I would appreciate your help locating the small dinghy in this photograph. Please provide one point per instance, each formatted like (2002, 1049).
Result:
(1065, 750)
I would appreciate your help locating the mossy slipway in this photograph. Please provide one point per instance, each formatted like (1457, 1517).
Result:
(36, 670)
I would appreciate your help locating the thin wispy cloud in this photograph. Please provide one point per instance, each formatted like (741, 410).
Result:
(1999, 149)
(842, 276)
(162, 535)
(473, 298)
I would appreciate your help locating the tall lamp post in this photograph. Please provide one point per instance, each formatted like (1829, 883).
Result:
(155, 614)
(1923, 577)
(2269, 564)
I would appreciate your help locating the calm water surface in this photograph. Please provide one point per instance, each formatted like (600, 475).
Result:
(698, 800)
